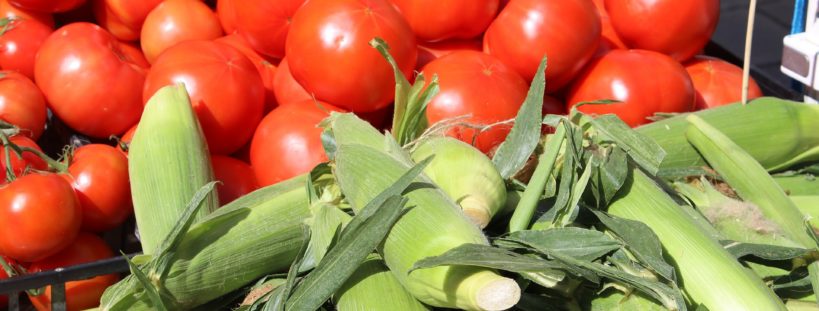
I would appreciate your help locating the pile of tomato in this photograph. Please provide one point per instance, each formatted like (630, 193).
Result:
(261, 74)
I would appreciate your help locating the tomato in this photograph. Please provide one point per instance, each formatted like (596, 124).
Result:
(286, 88)
(75, 68)
(646, 83)
(19, 45)
(429, 51)
(123, 18)
(39, 216)
(565, 31)
(677, 28)
(176, 21)
(609, 40)
(83, 294)
(22, 104)
(462, 19)
(99, 175)
(552, 105)
(265, 24)
(266, 69)
(237, 178)
(224, 86)
(47, 6)
(717, 82)
(287, 142)
(460, 75)
(226, 11)
(29, 161)
(8, 10)
(332, 57)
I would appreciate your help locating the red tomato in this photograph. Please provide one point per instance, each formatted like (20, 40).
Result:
(265, 23)
(429, 51)
(451, 19)
(47, 6)
(477, 84)
(226, 11)
(646, 82)
(19, 45)
(75, 68)
(22, 104)
(332, 57)
(565, 31)
(286, 88)
(609, 40)
(176, 21)
(266, 69)
(718, 82)
(237, 178)
(99, 175)
(18, 165)
(224, 86)
(677, 28)
(8, 10)
(39, 216)
(123, 18)
(552, 105)
(83, 294)
(380, 119)
(287, 142)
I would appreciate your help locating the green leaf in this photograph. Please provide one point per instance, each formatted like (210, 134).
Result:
(763, 251)
(328, 142)
(325, 226)
(488, 257)
(150, 289)
(279, 297)
(344, 258)
(609, 176)
(580, 243)
(569, 213)
(644, 151)
(522, 140)
(641, 241)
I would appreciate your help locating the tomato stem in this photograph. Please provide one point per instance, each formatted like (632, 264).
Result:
(7, 154)
(54, 164)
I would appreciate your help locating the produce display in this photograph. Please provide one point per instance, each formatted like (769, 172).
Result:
(398, 155)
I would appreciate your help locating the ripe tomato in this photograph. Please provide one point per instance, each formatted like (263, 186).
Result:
(47, 6)
(19, 45)
(224, 86)
(451, 19)
(123, 18)
(99, 175)
(717, 82)
(172, 22)
(609, 40)
(286, 88)
(332, 57)
(22, 104)
(264, 24)
(288, 141)
(18, 165)
(237, 178)
(429, 51)
(75, 68)
(226, 11)
(501, 94)
(646, 82)
(565, 31)
(677, 28)
(552, 105)
(267, 70)
(83, 294)
(8, 10)
(39, 216)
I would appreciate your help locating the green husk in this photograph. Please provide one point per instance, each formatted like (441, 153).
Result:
(169, 138)
(801, 185)
(373, 287)
(777, 133)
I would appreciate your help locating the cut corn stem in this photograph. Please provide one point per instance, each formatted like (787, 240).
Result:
(373, 287)
(168, 161)
(752, 183)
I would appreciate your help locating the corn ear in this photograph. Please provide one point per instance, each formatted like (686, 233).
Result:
(466, 174)
(366, 163)
(374, 287)
(698, 258)
(801, 185)
(253, 236)
(168, 137)
(777, 133)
